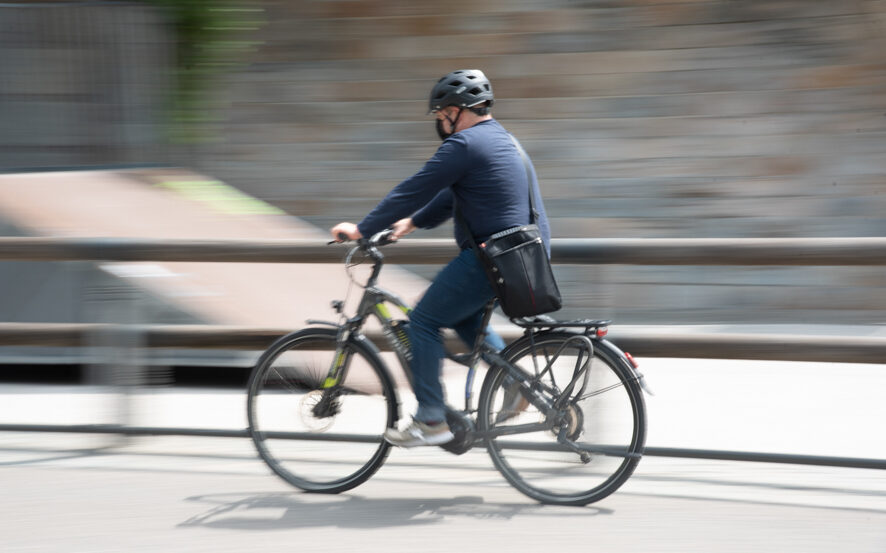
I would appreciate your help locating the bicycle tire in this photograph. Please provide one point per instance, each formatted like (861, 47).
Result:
(343, 446)
(608, 422)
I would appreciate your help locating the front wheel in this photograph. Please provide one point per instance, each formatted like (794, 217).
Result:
(594, 442)
(319, 433)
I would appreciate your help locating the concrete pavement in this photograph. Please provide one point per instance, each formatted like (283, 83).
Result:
(94, 493)
(138, 498)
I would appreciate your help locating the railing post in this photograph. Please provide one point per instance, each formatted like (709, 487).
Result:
(118, 346)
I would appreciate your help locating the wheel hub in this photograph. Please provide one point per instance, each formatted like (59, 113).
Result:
(572, 419)
(318, 410)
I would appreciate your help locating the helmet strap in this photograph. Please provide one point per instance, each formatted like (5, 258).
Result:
(454, 122)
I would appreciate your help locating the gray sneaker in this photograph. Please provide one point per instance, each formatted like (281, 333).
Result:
(419, 433)
(513, 403)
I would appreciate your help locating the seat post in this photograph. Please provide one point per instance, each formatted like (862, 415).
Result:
(481, 334)
(476, 353)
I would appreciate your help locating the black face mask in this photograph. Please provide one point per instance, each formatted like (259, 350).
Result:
(440, 132)
(452, 122)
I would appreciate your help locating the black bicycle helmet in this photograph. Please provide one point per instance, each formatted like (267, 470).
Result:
(464, 88)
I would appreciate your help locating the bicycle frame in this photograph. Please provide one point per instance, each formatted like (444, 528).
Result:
(548, 368)
(374, 304)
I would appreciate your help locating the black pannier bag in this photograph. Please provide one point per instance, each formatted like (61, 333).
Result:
(517, 263)
(520, 272)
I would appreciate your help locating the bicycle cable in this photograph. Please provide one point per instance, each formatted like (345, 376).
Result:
(350, 264)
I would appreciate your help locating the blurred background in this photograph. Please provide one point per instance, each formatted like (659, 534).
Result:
(277, 119)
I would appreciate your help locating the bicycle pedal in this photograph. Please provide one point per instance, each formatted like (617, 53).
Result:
(461, 358)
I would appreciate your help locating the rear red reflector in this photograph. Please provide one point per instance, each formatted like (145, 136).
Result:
(632, 360)
(602, 331)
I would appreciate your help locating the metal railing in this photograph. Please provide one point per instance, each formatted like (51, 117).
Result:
(575, 251)
(779, 252)
(642, 343)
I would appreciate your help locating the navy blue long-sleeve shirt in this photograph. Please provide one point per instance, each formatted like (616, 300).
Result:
(481, 168)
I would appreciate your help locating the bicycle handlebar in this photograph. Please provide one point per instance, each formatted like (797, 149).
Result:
(369, 246)
(382, 238)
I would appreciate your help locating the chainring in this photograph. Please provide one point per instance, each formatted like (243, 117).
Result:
(463, 427)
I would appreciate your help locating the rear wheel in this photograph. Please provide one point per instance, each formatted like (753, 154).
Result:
(320, 435)
(603, 421)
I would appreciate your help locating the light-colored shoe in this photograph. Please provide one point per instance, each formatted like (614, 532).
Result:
(419, 433)
(513, 403)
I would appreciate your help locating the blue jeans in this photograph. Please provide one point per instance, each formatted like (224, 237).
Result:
(455, 300)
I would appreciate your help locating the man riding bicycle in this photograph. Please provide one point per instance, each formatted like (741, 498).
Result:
(479, 171)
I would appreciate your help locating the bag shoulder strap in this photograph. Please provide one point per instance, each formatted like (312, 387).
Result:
(533, 213)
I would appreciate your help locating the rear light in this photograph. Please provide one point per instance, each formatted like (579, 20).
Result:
(632, 360)
(601, 331)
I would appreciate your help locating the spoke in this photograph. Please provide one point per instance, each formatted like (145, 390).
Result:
(607, 389)
(285, 381)
(548, 369)
(591, 440)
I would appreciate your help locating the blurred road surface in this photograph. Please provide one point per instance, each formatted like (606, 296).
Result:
(88, 493)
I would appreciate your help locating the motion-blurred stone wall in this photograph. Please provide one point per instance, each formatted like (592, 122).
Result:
(83, 84)
(645, 118)
(705, 118)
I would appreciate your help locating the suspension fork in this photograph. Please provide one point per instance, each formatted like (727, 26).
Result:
(340, 361)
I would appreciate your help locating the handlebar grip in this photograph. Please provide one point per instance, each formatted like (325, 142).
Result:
(340, 239)
(382, 238)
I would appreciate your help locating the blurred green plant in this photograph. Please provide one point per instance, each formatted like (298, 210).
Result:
(212, 37)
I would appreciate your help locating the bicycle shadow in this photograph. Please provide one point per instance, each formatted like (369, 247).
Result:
(286, 511)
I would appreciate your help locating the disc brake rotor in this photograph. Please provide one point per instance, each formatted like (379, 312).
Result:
(317, 412)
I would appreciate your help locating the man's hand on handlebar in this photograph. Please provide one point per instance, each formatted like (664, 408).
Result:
(402, 227)
(343, 232)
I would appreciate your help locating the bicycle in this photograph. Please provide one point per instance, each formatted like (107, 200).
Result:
(319, 400)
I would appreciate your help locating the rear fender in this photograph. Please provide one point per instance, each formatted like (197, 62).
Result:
(625, 360)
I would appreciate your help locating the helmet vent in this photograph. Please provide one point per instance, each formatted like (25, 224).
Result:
(463, 87)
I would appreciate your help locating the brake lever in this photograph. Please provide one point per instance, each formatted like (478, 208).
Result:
(384, 238)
